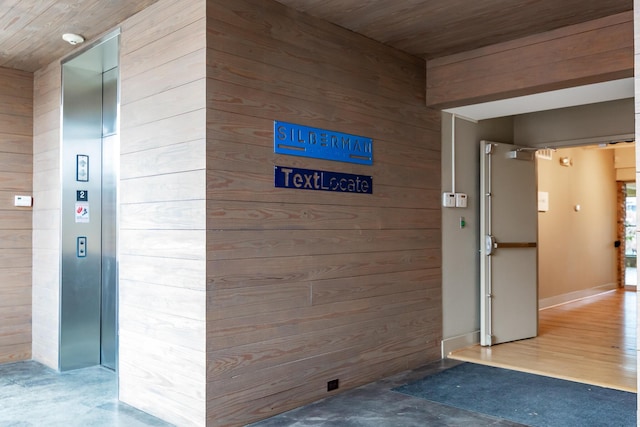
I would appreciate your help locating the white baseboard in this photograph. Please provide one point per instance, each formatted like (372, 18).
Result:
(574, 296)
(461, 341)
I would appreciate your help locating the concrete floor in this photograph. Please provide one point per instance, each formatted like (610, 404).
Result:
(376, 405)
(33, 395)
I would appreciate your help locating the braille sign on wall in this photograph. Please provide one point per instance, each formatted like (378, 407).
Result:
(308, 179)
(297, 140)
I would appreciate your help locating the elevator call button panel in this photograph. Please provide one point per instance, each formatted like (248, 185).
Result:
(82, 168)
(81, 247)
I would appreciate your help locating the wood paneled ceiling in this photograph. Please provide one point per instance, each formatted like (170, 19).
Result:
(432, 28)
(31, 30)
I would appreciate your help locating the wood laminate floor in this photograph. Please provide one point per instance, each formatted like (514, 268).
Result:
(592, 341)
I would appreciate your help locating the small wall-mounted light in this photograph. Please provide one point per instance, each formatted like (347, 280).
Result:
(73, 39)
(565, 161)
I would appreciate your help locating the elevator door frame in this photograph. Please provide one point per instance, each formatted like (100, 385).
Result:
(90, 143)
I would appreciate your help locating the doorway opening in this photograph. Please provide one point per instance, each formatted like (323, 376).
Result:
(577, 219)
(89, 159)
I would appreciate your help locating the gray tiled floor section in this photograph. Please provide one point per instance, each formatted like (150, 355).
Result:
(33, 395)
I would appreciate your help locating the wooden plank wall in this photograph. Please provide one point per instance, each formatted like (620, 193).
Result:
(16, 165)
(46, 214)
(304, 287)
(592, 52)
(162, 207)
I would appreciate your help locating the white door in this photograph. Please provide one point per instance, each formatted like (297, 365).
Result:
(509, 253)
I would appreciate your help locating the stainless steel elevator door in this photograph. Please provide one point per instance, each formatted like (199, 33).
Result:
(81, 218)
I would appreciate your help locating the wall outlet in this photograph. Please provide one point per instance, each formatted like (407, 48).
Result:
(333, 385)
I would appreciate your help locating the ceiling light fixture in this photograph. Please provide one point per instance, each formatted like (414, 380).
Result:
(72, 39)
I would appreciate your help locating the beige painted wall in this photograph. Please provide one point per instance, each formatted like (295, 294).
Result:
(625, 162)
(585, 124)
(577, 233)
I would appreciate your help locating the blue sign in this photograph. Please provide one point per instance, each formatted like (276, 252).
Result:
(297, 140)
(308, 179)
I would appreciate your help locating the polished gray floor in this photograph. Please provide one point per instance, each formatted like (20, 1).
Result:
(34, 395)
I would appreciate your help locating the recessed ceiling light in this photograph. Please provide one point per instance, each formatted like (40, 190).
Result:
(72, 39)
